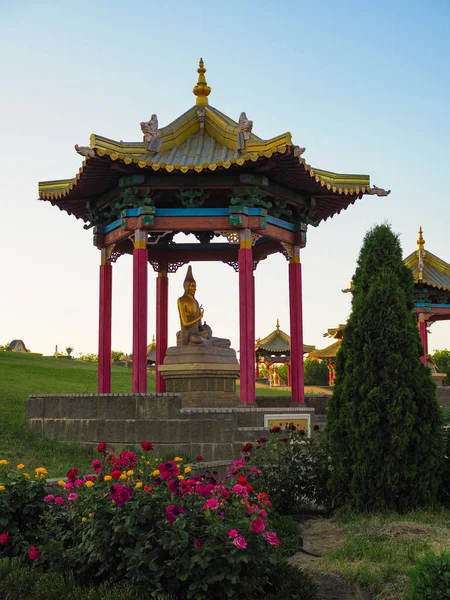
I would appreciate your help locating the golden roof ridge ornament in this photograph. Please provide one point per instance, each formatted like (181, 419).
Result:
(201, 90)
(421, 241)
(278, 324)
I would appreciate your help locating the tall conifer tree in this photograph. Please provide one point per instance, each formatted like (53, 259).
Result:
(383, 419)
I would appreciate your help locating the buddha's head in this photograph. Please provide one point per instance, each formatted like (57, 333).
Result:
(189, 284)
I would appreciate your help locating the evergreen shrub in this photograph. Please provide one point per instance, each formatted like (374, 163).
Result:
(430, 579)
(383, 423)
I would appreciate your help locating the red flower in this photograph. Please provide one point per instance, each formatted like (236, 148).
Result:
(249, 488)
(116, 474)
(101, 447)
(147, 488)
(33, 553)
(4, 538)
(242, 480)
(301, 431)
(283, 440)
(316, 427)
(258, 526)
(262, 440)
(146, 446)
(72, 475)
(247, 447)
(292, 427)
(199, 458)
(275, 429)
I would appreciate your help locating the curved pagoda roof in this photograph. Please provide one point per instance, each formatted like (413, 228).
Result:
(151, 351)
(205, 140)
(427, 268)
(329, 353)
(277, 343)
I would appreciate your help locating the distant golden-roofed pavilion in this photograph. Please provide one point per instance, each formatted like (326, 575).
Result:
(431, 289)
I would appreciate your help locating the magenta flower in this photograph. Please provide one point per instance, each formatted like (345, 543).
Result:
(263, 514)
(240, 542)
(198, 544)
(258, 526)
(232, 533)
(79, 482)
(72, 497)
(49, 498)
(69, 486)
(212, 504)
(59, 500)
(240, 490)
(271, 538)
(96, 465)
(4, 538)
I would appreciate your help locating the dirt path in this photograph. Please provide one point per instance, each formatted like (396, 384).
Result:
(321, 536)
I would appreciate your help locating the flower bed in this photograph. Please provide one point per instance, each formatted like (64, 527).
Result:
(149, 522)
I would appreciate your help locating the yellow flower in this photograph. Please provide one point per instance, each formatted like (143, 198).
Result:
(138, 484)
(155, 472)
(84, 519)
(3, 462)
(148, 462)
(107, 478)
(180, 477)
(89, 484)
(40, 472)
(130, 473)
(26, 475)
(187, 469)
(177, 459)
(90, 515)
(142, 456)
(2, 488)
(20, 467)
(123, 476)
(62, 483)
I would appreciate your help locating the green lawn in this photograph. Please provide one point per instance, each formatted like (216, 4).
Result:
(22, 375)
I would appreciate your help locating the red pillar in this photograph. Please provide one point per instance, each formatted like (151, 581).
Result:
(140, 313)
(423, 336)
(289, 374)
(104, 326)
(256, 370)
(295, 309)
(162, 288)
(246, 318)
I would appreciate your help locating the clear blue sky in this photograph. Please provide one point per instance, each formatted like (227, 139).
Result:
(364, 85)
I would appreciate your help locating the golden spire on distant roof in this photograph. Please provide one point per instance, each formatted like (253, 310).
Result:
(153, 339)
(201, 90)
(421, 241)
(278, 324)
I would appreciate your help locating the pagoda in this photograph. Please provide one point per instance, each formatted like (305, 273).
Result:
(431, 289)
(241, 196)
(275, 348)
(329, 353)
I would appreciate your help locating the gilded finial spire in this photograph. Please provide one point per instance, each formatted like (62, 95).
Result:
(153, 339)
(278, 324)
(421, 241)
(201, 90)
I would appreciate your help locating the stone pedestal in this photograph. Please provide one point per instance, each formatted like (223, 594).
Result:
(204, 375)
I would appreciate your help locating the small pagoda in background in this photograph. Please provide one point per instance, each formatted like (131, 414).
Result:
(329, 353)
(275, 348)
(431, 289)
(151, 354)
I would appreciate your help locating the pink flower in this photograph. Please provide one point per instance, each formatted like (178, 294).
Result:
(263, 514)
(69, 486)
(212, 504)
(256, 470)
(240, 542)
(79, 482)
(33, 553)
(96, 465)
(59, 500)
(258, 526)
(232, 533)
(72, 497)
(4, 538)
(240, 490)
(271, 538)
(198, 544)
(49, 498)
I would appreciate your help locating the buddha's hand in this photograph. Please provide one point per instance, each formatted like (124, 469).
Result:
(201, 310)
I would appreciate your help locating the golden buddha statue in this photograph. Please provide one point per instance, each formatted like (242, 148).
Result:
(193, 329)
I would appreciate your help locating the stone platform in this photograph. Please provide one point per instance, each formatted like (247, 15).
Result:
(125, 420)
(203, 374)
